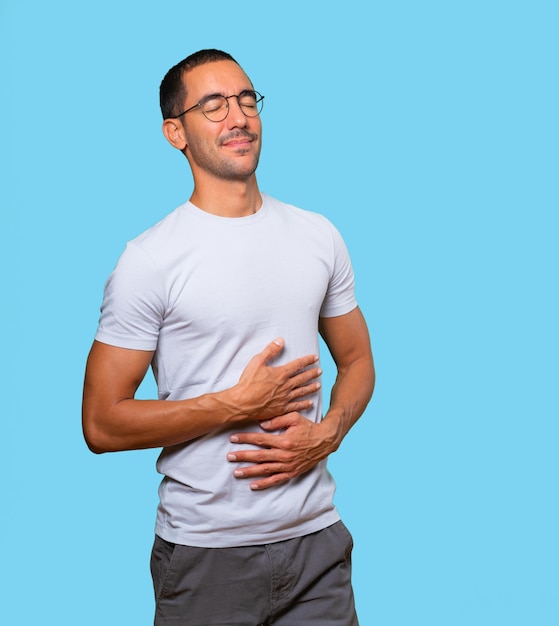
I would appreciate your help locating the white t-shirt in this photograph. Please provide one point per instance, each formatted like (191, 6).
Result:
(207, 293)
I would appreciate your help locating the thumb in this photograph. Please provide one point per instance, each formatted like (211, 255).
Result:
(272, 349)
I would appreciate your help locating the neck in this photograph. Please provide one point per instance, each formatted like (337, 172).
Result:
(228, 198)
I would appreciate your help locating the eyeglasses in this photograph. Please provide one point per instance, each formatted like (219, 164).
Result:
(216, 107)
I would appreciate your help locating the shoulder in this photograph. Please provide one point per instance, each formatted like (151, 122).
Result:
(161, 230)
(164, 241)
(298, 214)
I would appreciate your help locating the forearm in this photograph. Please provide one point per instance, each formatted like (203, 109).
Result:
(350, 395)
(131, 424)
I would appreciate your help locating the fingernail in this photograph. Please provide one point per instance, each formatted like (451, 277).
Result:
(254, 487)
(234, 439)
(231, 457)
(265, 424)
(238, 473)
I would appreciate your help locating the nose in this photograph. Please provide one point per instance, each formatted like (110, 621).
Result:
(235, 118)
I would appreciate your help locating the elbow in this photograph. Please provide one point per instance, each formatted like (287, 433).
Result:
(372, 381)
(94, 435)
(94, 447)
(94, 442)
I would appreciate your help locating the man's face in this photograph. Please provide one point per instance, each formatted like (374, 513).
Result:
(229, 149)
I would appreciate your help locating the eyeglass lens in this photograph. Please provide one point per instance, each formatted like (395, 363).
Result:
(216, 107)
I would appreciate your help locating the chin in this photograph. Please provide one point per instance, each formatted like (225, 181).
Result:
(242, 172)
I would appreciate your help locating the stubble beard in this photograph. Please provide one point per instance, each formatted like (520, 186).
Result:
(234, 169)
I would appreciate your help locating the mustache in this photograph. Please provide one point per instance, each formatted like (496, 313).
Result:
(238, 134)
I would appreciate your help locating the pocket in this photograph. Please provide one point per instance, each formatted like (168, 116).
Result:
(161, 564)
(345, 537)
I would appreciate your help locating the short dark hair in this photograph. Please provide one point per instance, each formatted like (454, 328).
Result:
(172, 92)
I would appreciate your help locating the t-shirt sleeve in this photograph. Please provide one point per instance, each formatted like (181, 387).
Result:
(133, 304)
(340, 297)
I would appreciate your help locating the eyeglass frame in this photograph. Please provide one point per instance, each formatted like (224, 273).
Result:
(259, 98)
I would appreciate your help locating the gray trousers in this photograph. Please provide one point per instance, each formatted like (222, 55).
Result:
(299, 582)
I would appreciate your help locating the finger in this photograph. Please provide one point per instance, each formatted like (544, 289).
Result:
(260, 470)
(270, 481)
(306, 376)
(304, 390)
(281, 422)
(272, 349)
(297, 366)
(265, 441)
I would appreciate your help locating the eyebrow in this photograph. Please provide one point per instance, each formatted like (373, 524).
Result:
(213, 95)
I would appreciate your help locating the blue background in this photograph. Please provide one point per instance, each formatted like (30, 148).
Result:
(428, 133)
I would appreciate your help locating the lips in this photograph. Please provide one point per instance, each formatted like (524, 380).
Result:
(238, 138)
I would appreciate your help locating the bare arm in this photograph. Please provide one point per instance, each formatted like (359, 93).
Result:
(302, 444)
(114, 420)
(347, 338)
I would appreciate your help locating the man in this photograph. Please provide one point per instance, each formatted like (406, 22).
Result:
(224, 298)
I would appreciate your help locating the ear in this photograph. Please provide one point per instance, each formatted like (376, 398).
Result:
(174, 133)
